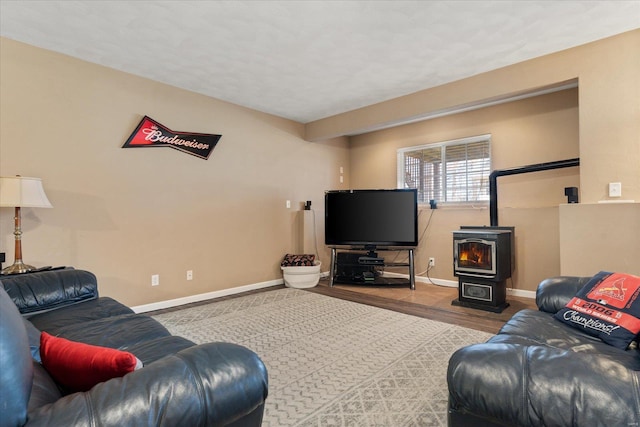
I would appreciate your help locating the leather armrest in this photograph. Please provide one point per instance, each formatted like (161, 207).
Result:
(47, 290)
(16, 368)
(209, 384)
(554, 293)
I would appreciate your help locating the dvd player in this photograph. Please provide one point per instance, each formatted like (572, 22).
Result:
(371, 260)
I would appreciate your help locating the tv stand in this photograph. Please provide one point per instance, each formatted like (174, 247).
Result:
(350, 267)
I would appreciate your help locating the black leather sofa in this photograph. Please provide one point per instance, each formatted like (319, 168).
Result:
(538, 371)
(181, 384)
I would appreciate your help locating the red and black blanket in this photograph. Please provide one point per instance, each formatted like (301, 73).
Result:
(607, 307)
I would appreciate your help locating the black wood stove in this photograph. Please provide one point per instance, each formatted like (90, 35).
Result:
(483, 260)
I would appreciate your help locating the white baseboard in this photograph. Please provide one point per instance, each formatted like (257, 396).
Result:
(203, 297)
(232, 291)
(521, 293)
(423, 279)
(454, 284)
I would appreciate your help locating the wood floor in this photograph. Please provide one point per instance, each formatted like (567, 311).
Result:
(428, 301)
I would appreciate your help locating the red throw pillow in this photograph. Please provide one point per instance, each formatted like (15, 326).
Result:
(78, 366)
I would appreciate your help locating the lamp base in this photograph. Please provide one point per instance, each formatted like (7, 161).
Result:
(18, 267)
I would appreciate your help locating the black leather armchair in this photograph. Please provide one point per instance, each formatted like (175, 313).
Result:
(215, 384)
(538, 371)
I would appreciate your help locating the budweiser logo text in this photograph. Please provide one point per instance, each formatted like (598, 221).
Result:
(156, 135)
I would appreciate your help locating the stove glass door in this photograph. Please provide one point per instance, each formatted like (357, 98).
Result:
(475, 256)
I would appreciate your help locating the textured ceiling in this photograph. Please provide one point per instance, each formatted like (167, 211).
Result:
(306, 60)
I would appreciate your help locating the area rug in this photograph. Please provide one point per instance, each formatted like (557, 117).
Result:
(333, 362)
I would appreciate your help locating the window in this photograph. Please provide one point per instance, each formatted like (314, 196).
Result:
(448, 172)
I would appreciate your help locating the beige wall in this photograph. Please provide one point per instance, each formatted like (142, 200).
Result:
(534, 130)
(126, 214)
(597, 237)
(608, 76)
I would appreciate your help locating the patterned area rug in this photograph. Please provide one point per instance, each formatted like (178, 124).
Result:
(333, 362)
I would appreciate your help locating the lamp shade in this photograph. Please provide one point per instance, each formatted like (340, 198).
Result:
(23, 192)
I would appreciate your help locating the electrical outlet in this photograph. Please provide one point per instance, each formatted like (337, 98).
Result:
(615, 189)
(189, 274)
(432, 262)
(288, 204)
(155, 279)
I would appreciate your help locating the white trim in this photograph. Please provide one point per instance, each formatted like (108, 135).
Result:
(521, 293)
(232, 291)
(203, 297)
(454, 284)
(616, 201)
(423, 279)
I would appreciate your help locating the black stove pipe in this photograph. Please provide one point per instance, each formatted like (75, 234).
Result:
(493, 185)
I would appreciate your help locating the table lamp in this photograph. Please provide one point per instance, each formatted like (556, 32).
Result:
(21, 192)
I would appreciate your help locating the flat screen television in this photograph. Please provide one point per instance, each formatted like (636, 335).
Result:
(371, 218)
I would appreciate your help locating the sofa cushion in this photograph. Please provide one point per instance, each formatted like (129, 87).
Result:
(107, 323)
(537, 328)
(78, 366)
(119, 332)
(607, 307)
(152, 350)
(101, 308)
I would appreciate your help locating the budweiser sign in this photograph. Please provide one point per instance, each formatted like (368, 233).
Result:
(150, 133)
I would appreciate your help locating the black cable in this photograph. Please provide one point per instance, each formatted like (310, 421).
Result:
(427, 226)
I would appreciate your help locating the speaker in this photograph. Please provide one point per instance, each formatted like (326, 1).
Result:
(572, 194)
